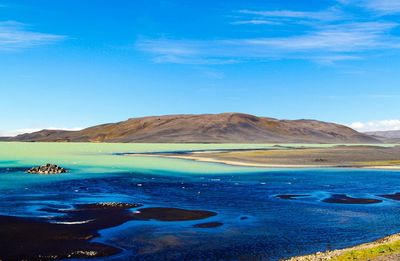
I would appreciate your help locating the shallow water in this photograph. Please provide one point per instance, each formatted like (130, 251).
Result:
(256, 224)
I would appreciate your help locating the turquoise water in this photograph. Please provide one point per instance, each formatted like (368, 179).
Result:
(89, 160)
(256, 224)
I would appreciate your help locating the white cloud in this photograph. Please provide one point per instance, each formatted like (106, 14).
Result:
(284, 17)
(336, 38)
(326, 44)
(382, 7)
(385, 6)
(185, 52)
(331, 14)
(14, 36)
(326, 37)
(257, 22)
(11, 133)
(382, 125)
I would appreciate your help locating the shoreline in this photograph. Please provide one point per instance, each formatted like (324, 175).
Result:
(213, 160)
(258, 165)
(386, 248)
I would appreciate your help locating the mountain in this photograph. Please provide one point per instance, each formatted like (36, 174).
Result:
(386, 136)
(207, 128)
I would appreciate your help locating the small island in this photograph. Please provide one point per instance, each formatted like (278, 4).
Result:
(47, 169)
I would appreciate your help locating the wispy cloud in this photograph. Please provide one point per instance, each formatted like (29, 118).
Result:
(336, 38)
(257, 22)
(185, 52)
(324, 36)
(327, 44)
(330, 14)
(383, 7)
(212, 74)
(284, 17)
(15, 36)
(382, 125)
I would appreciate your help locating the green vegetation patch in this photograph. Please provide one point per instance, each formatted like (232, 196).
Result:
(371, 252)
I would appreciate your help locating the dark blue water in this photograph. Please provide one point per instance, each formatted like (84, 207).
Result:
(257, 226)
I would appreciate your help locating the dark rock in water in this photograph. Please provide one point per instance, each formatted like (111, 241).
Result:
(344, 199)
(208, 225)
(172, 214)
(395, 196)
(290, 196)
(47, 169)
(71, 234)
(63, 236)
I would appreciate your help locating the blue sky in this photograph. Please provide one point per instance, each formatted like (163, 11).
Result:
(72, 64)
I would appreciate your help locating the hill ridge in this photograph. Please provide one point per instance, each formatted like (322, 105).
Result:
(207, 128)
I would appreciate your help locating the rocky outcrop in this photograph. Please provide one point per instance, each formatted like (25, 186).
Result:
(47, 169)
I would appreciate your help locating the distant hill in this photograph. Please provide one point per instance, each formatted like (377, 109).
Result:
(207, 128)
(386, 136)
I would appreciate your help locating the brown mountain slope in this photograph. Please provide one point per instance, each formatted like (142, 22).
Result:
(208, 128)
(386, 136)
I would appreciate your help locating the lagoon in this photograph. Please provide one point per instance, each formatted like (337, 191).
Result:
(255, 221)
